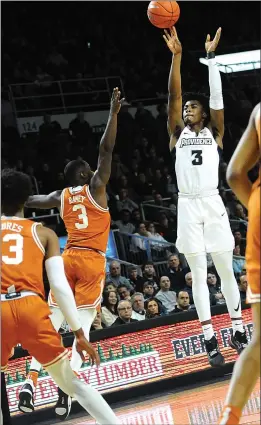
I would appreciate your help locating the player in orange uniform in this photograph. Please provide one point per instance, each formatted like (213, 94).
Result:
(24, 312)
(83, 207)
(247, 367)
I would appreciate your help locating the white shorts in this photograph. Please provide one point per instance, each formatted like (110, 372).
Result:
(203, 225)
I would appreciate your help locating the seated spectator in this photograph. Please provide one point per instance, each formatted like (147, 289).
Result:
(240, 213)
(139, 243)
(80, 128)
(138, 310)
(124, 312)
(188, 287)
(109, 311)
(124, 223)
(114, 275)
(148, 290)
(238, 263)
(168, 227)
(154, 308)
(239, 241)
(125, 202)
(216, 296)
(143, 188)
(136, 217)
(135, 280)
(182, 302)
(149, 275)
(176, 273)
(155, 235)
(167, 297)
(124, 292)
(242, 286)
(97, 323)
(110, 286)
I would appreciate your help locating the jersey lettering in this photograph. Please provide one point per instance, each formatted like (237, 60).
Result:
(197, 157)
(16, 248)
(82, 216)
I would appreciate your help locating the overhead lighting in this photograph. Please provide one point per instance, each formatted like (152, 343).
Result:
(237, 62)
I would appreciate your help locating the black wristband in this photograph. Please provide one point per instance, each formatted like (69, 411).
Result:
(211, 55)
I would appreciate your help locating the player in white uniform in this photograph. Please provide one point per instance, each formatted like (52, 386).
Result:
(196, 131)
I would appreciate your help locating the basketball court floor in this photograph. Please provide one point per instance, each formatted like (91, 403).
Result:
(197, 406)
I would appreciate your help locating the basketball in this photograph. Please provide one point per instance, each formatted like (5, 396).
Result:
(163, 14)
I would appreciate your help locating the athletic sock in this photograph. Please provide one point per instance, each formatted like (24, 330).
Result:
(237, 325)
(208, 331)
(33, 377)
(230, 415)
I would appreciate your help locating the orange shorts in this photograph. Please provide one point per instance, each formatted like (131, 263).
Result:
(26, 321)
(253, 248)
(85, 272)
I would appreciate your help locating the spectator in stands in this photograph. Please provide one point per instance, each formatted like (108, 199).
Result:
(216, 296)
(239, 241)
(155, 235)
(182, 303)
(114, 275)
(167, 227)
(140, 243)
(124, 223)
(135, 217)
(124, 312)
(149, 274)
(118, 169)
(109, 312)
(242, 286)
(143, 188)
(135, 280)
(49, 129)
(110, 286)
(124, 291)
(167, 297)
(125, 202)
(30, 171)
(154, 308)
(97, 323)
(240, 213)
(123, 183)
(188, 287)
(176, 273)
(148, 290)
(138, 310)
(238, 263)
(80, 128)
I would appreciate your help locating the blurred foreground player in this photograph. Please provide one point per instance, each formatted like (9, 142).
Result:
(84, 209)
(247, 367)
(196, 132)
(24, 313)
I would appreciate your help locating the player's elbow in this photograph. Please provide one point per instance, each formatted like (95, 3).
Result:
(233, 176)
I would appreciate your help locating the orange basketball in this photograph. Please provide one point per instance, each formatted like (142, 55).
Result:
(163, 14)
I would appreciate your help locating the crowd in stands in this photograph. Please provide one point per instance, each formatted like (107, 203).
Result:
(142, 168)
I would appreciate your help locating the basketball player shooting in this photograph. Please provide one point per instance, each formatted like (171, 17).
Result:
(196, 132)
(24, 313)
(83, 207)
(247, 367)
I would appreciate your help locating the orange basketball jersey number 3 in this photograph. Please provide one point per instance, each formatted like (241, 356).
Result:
(83, 217)
(15, 248)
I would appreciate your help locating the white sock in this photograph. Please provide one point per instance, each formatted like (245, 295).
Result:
(223, 263)
(198, 267)
(237, 325)
(88, 397)
(208, 331)
(87, 316)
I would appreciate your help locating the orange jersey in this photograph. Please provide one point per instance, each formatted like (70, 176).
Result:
(22, 256)
(87, 223)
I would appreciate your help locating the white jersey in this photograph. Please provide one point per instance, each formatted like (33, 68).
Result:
(197, 162)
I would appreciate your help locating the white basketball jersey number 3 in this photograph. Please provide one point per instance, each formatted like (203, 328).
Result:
(16, 248)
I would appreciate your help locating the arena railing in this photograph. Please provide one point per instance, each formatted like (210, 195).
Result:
(63, 96)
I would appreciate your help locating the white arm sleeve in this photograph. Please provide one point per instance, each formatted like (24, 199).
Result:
(215, 86)
(62, 292)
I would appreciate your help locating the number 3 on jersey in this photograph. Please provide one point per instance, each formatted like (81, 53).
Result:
(16, 248)
(82, 217)
(197, 157)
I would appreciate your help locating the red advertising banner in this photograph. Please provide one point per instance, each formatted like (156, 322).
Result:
(136, 358)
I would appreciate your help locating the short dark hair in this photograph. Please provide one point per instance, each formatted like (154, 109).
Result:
(16, 189)
(73, 172)
(148, 263)
(201, 98)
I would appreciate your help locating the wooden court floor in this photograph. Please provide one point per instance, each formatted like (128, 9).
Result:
(200, 406)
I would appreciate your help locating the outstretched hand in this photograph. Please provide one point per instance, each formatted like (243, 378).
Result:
(83, 345)
(211, 46)
(116, 101)
(172, 41)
